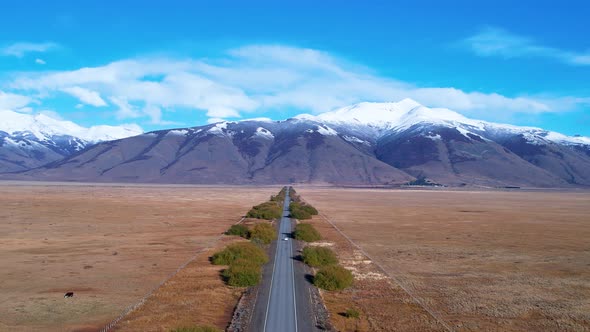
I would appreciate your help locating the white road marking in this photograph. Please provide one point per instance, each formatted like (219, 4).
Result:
(293, 280)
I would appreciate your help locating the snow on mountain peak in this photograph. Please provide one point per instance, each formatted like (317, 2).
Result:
(404, 113)
(380, 118)
(44, 127)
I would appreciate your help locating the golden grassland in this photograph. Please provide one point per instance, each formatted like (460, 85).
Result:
(110, 245)
(480, 260)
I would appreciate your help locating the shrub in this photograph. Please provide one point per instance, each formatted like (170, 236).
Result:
(239, 230)
(280, 197)
(239, 250)
(422, 181)
(299, 213)
(307, 233)
(333, 277)
(318, 256)
(196, 329)
(242, 273)
(263, 233)
(266, 210)
(352, 313)
(302, 211)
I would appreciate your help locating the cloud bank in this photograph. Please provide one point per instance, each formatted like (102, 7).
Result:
(255, 80)
(21, 49)
(498, 42)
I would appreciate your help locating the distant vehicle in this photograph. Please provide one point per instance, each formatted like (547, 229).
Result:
(286, 239)
(69, 294)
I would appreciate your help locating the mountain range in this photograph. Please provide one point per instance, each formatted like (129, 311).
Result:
(29, 141)
(362, 144)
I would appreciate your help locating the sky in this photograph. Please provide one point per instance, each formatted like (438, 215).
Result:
(164, 64)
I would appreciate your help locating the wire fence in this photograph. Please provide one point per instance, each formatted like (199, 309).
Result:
(141, 301)
(392, 277)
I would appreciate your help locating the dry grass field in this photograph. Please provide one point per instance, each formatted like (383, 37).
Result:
(481, 260)
(108, 244)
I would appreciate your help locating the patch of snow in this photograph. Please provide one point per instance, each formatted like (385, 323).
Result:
(258, 120)
(177, 132)
(264, 133)
(434, 137)
(354, 139)
(327, 131)
(533, 138)
(464, 132)
(563, 139)
(306, 117)
(21, 144)
(218, 128)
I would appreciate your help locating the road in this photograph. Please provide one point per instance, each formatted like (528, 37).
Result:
(283, 302)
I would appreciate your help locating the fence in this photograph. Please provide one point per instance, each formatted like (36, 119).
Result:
(138, 304)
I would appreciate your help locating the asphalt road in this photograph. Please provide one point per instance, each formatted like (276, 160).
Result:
(283, 302)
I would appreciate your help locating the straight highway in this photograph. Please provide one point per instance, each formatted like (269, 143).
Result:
(283, 301)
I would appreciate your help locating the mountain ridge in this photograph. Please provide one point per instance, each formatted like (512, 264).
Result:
(362, 144)
(28, 141)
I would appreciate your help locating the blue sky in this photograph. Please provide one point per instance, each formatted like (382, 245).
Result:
(184, 63)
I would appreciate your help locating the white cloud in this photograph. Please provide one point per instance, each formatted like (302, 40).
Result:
(154, 112)
(214, 120)
(85, 96)
(40, 61)
(21, 49)
(498, 42)
(51, 114)
(124, 109)
(11, 101)
(257, 79)
(27, 110)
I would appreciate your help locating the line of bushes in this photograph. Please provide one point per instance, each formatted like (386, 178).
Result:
(263, 233)
(273, 209)
(244, 260)
(318, 256)
(239, 230)
(267, 210)
(306, 232)
(260, 233)
(280, 197)
(333, 277)
(330, 276)
(301, 211)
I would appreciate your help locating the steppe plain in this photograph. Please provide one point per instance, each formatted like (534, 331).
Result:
(479, 260)
(109, 244)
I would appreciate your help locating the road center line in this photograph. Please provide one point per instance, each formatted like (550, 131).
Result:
(275, 264)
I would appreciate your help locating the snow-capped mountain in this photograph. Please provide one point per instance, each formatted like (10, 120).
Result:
(383, 118)
(28, 141)
(366, 143)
